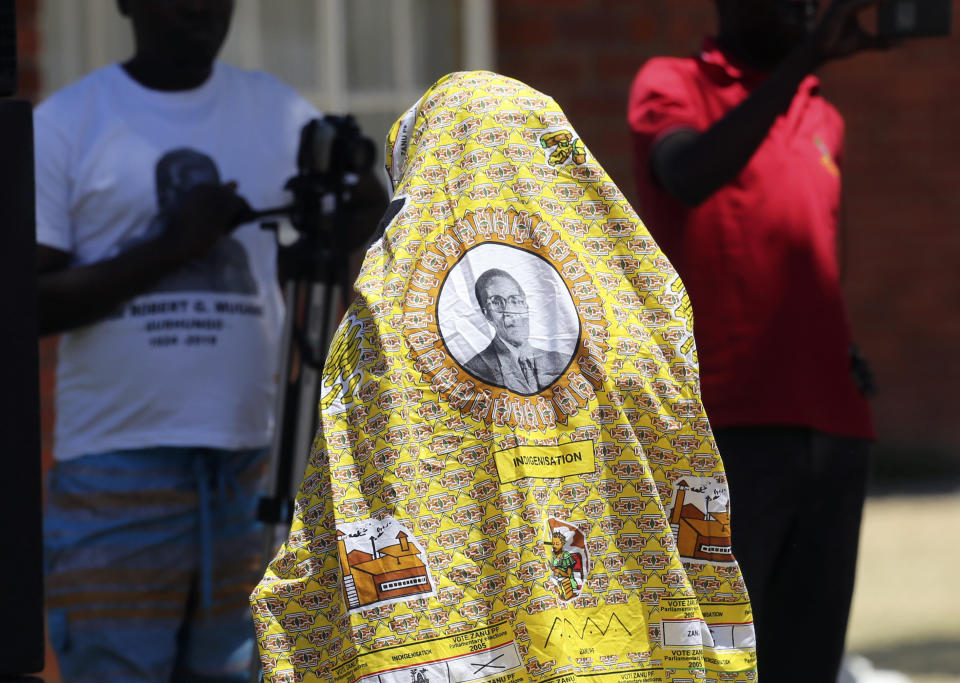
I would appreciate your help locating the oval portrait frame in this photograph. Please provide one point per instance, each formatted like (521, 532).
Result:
(510, 268)
(572, 390)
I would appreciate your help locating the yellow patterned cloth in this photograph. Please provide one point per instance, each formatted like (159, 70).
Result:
(514, 478)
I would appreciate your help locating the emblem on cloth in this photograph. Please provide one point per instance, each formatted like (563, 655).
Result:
(567, 557)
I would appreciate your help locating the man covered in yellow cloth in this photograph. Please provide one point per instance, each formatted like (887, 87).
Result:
(514, 479)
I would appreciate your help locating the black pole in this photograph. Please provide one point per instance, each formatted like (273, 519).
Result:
(21, 570)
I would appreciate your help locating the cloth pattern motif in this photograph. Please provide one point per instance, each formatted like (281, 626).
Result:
(449, 528)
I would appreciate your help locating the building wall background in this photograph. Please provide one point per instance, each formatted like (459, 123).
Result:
(372, 58)
(902, 233)
(902, 184)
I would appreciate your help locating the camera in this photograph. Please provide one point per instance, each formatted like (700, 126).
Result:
(914, 18)
(331, 154)
(334, 146)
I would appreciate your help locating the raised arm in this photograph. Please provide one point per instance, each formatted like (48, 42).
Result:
(692, 165)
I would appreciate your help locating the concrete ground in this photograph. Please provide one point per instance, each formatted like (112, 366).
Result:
(906, 609)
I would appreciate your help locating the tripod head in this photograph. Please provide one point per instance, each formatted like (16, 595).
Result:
(332, 153)
(332, 147)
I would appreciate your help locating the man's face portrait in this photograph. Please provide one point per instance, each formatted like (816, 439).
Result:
(505, 306)
(489, 329)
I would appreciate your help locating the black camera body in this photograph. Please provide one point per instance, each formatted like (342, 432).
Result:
(914, 18)
(334, 146)
(332, 153)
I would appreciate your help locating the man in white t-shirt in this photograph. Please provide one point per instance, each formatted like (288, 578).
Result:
(171, 314)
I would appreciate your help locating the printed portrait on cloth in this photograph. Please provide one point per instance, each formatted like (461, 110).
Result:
(506, 316)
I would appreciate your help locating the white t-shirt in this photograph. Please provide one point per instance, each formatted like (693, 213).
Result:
(194, 361)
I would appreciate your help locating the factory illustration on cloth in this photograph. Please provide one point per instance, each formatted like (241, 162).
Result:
(700, 519)
(380, 563)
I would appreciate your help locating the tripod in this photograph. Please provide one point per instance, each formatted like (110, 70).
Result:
(315, 286)
(314, 272)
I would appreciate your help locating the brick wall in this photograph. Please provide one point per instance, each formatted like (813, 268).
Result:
(903, 233)
(902, 171)
(584, 53)
(28, 49)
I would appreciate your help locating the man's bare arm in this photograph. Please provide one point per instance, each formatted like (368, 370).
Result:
(691, 166)
(73, 297)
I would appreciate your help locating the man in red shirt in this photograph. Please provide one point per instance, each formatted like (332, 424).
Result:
(738, 171)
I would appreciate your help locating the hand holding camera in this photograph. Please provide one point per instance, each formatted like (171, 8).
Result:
(840, 34)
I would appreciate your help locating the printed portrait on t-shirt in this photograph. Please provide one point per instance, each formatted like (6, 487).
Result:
(507, 318)
(226, 266)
